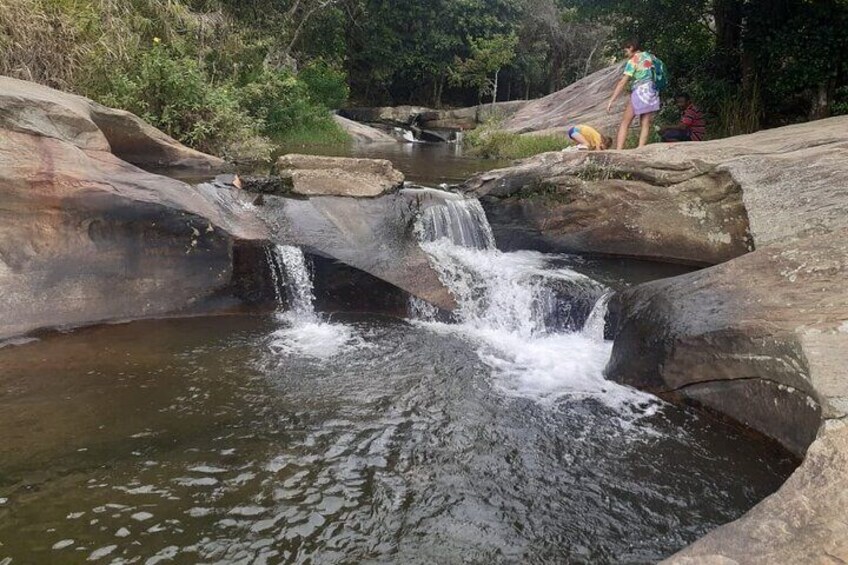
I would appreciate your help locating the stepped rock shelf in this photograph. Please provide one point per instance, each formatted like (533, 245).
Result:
(87, 236)
(762, 337)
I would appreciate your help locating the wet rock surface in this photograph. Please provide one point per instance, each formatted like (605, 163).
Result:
(374, 235)
(761, 337)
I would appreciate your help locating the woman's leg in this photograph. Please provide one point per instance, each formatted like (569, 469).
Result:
(625, 125)
(645, 133)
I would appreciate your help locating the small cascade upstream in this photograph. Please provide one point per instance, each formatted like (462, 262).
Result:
(540, 328)
(304, 331)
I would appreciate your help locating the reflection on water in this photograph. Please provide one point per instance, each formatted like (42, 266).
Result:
(429, 164)
(195, 440)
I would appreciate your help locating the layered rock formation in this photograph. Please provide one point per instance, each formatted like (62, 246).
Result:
(699, 203)
(34, 109)
(449, 119)
(374, 235)
(87, 237)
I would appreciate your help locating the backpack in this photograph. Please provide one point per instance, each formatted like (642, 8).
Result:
(660, 74)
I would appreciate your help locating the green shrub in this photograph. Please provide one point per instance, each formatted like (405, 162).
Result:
(285, 107)
(326, 84)
(173, 94)
(491, 143)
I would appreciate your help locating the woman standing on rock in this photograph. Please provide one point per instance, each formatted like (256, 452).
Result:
(644, 97)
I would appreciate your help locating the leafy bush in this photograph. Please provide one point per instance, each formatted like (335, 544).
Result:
(491, 143)
(285, 106)
(326, 84)
(172, 93)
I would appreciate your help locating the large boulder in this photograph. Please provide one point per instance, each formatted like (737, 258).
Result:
(699, 203)
(26, 107)
(312, 175)
(763, 338)
(361, 133)
(584, 102)
(86, 237)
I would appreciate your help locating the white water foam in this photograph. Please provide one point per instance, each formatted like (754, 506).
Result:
(304, 332)
(504, 304)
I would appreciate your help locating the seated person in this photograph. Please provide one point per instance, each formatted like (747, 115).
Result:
(587, 137)
(692, 127)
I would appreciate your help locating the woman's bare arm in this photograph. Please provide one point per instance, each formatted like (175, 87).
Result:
(619, 88)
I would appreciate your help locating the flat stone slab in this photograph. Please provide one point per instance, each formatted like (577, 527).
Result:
(310, 175)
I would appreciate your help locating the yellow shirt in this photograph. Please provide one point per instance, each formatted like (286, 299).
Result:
(592, 135)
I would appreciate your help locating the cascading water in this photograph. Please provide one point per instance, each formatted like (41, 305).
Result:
(304, 331)
(528, 319)
(462, 222)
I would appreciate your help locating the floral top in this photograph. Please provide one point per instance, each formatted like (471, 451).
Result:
(640, 67)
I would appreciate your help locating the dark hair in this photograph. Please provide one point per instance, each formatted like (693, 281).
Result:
(684, 95)
(632, 43)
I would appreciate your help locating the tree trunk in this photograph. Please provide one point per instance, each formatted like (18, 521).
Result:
(822, 100)
(495, 87)
(728, 23)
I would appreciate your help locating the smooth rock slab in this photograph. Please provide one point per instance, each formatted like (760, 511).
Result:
(310, 175)
(361, 133)
(699, 203)
(86, 237)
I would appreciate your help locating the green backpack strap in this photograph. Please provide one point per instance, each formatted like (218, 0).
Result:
(660, 73)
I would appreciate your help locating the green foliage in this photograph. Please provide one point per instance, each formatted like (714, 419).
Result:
(326, 84)
(491, 143)
(748, 63)
(172, 93)
(488, 56)
(214, 74)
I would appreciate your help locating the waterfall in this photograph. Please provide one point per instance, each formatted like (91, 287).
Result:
(506, 291)
(304, 331)
(462, 222)
(596, 322)
(538, 326)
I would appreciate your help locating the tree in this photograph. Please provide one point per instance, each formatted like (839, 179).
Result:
(482, 69)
